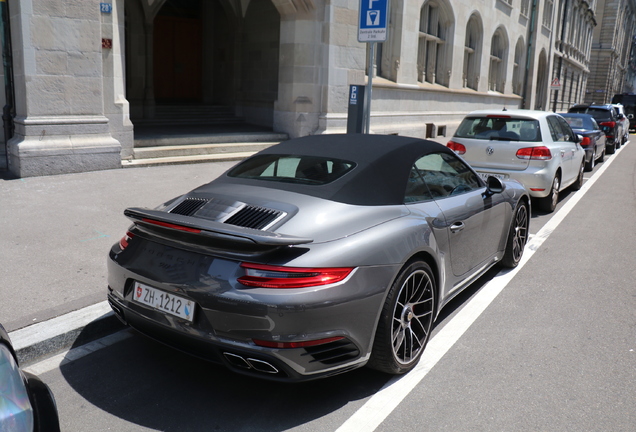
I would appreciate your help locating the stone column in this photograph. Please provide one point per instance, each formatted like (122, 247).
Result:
(60, 124)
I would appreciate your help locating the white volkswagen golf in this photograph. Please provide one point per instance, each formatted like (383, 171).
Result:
(536, 148)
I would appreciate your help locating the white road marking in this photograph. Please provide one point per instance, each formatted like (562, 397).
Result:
(382, 404)
(77, 353)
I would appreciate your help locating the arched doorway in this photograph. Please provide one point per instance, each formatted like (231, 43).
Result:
(202, 53)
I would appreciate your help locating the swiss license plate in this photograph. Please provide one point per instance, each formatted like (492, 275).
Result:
(485, 176)
(164, 302)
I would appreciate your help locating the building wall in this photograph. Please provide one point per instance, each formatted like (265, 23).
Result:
(611, 47)
(65, 86)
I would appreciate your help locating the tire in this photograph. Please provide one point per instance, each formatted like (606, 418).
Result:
(517, 237)
(549, 203)
(578, 184)
(406, 320)
(592, 163)
(602, 157)
(612, 148)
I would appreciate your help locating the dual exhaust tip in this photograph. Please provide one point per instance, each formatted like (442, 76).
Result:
(250, 363)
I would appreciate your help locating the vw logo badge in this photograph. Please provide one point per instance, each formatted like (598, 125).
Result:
(490, 150)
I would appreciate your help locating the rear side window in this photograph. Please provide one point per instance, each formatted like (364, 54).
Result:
(309, 170)
(499, 128)
(439, 175)
(559, 129)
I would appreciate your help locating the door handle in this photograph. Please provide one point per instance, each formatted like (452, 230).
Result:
(457, 227)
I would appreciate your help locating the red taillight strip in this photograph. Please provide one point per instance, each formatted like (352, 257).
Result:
(123, 243)
(173, 226)
(303, 344)
(268, 276)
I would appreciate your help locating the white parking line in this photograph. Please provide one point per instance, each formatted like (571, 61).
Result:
(380, 405)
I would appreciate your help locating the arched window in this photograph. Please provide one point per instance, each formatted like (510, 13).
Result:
(472, 53)
(518, 71)
(498, 58)
(433, 57)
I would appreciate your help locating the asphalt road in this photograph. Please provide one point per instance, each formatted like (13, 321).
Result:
(549, 347)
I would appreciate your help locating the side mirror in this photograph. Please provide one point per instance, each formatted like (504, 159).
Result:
(494, 186)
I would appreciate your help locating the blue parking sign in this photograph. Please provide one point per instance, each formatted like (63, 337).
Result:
(373, 20)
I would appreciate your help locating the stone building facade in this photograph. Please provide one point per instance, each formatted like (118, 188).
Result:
(85, 73)
(611, 50)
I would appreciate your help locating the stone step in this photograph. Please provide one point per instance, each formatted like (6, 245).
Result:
(200, 139)
(175, 160)
(200, 149)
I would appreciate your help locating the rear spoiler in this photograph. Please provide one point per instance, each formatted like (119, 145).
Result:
(156, 219)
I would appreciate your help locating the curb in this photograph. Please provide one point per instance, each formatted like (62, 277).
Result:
(62, 333)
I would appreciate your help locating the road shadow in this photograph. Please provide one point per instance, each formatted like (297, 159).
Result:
(154, 386)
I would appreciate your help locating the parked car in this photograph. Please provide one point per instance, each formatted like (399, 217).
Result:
(593, 138)
(316, 256)
(628, 100)
(537, 148)
(26, 403)
(624, 121)
(607, 117)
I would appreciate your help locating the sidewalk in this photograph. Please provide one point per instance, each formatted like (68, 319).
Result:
(55, 234)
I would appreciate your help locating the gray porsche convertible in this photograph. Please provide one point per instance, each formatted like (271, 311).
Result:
(316, 256)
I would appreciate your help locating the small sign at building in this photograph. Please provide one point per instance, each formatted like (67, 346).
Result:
(106, 7)
(107, 43)
(373, 20)
(555, 85)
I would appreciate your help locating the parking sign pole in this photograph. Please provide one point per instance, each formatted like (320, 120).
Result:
(367, 100)
(373, 21)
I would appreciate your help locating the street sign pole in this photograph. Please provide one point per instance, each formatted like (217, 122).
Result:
(373, 22)
(369, 90)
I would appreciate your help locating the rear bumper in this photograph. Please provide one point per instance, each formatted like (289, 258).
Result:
(227, 320)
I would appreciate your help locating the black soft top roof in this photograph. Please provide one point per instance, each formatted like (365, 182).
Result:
(383, 163)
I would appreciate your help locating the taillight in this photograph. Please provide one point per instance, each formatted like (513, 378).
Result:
(534, 153)
(171, 225)
(586, 141)
(123, 243)
(610, 125)
(302, 344)
(267, 276)
(458, 148)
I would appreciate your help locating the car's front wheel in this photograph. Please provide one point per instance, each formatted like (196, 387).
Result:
(549, 203)
(517, 237)
(406, 320)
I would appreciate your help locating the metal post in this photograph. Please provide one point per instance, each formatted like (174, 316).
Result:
(367, 100)
(8, 111)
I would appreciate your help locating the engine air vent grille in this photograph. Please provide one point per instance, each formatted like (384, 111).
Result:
(340, 351)
(189, 206)
(253, 217)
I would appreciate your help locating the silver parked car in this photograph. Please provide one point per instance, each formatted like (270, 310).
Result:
(316, 256)
(537, 148)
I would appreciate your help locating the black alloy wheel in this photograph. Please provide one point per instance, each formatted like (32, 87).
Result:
(406, 320)
(518, 237)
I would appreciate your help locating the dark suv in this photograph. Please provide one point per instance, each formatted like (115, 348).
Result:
(608, 119)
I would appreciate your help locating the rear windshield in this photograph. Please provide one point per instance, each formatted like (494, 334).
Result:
(597, 113)
(499, 128)
(580, 122)
(309, 170)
